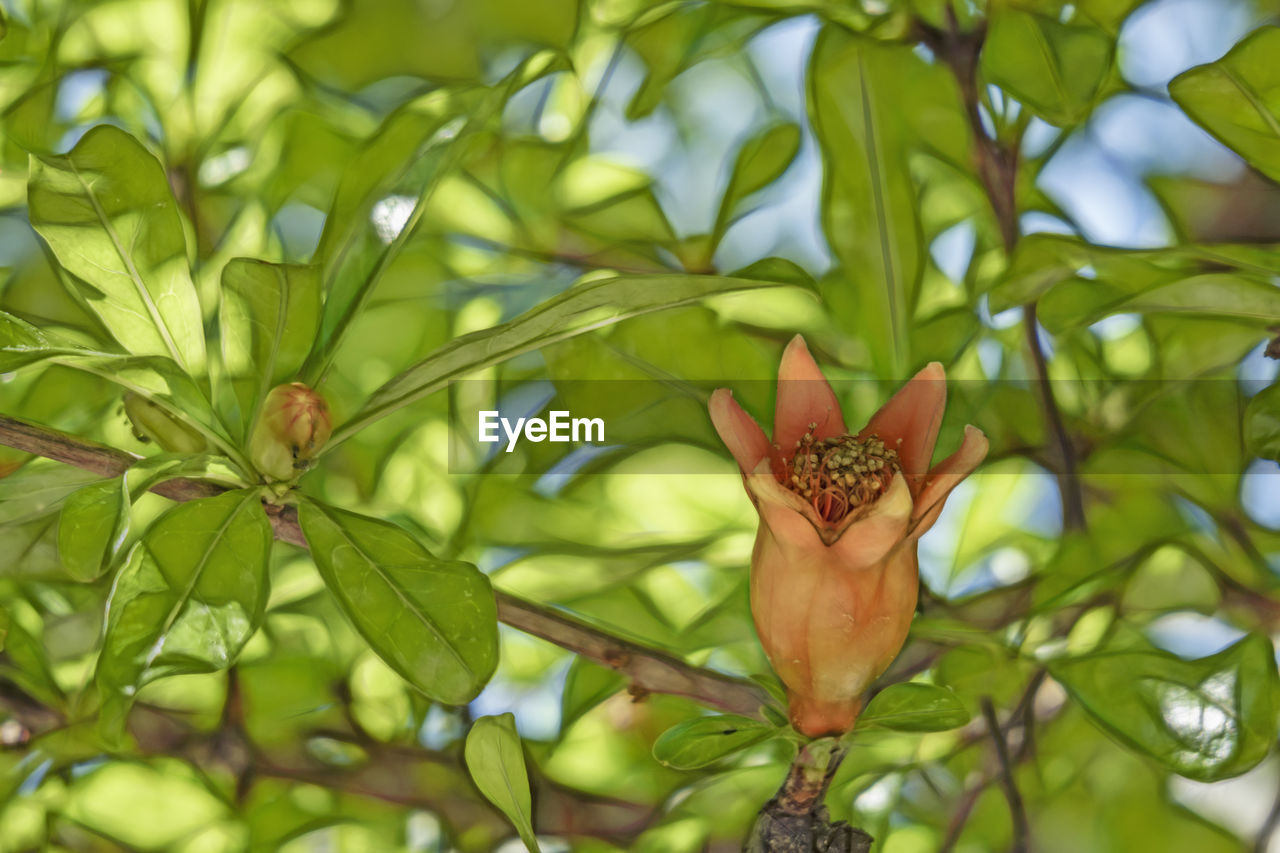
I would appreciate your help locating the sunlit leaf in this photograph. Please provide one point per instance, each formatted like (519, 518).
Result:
(269, 317)
(107, 213)
(761, 160)
(589, 305)
(1207, 719)
(871, 104)
(192, 593)
(496, 761)
(1055, 68)
(914, 707)
(433, 621)
(92, 527)
(586, 685)
(704, 740)
(1237, 99)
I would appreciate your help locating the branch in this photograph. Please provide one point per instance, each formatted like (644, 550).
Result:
(1016, 809)
(997, 167)
(795, 820)
(650, 670)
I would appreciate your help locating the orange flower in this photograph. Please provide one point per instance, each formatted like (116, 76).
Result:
(834, 574)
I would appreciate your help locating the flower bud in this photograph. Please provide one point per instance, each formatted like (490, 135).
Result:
(152, 423)
(292, 427)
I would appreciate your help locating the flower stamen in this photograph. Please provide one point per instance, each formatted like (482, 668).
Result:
(838, 474)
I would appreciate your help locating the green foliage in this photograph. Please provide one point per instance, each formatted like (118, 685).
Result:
(424, 210)
(496, 761)
(705, 740)
(914, 707)
(192, 593)
(431, 620)
(1207, 719)
(107, 213)
(1237, 99)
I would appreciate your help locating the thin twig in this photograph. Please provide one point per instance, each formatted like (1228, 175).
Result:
(648, 669)
(996, 163)
(1016, 809)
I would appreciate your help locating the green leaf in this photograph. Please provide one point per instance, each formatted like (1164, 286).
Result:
(22, 343)
(1056, 69)
(25, 662)
(588, 305)
(761, 160)
(1207, 719)
(418, 147)
(1262, 423)
(873, 104)
(269, 317)
(1237, 99)
(1081, 302)
(914, 707)
(192, 593)
(433, 621)
(703, 740)
(107, 212)
(156, 378)
(92, 527)
(496, 761)
(586, 685)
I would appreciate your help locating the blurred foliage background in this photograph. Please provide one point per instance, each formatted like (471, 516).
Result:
(1080, 192)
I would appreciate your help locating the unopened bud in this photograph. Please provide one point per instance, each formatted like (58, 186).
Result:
(152, 423)
(293, 426)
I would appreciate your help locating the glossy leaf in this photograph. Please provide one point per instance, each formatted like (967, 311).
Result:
(914, 707)
(1055, 68)
(92, 528)
(496, 761)
(589, 305)
(703, 740)
(433, 621)
(22, 343)
(107, 212)
(761, 160)
(872, 104)
(25, 663)
(1237, 99)
(191, 595)
(269, 317)
(1207, 719)
(1081, 302)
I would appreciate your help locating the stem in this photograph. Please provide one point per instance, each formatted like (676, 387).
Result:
(997, 167)
(795, 821)
(650, 670)
(1017, 811)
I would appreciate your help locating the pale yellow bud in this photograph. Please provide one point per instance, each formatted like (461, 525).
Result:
(293, 426)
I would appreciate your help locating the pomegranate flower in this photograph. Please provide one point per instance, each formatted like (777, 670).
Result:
(834, 574)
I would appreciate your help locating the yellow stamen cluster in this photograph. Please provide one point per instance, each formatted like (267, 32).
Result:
(838, 474)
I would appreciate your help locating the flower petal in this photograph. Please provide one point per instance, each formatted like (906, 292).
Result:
(945, 476)
(910, 421)
(738, 430)
(804, 397)
(869, 536)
